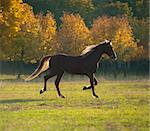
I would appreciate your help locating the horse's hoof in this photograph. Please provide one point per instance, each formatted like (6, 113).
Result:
(41, 91)
(96, 83)
(61, 96)
(95, 96)
(84, 88)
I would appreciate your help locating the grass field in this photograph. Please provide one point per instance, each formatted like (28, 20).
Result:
(122, 106)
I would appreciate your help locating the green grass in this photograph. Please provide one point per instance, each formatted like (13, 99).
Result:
(122, 106)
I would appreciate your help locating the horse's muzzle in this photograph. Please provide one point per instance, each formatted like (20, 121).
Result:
(114, 58)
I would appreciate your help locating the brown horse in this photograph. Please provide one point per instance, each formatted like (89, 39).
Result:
(84, 64)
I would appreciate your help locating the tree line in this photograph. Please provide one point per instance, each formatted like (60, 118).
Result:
(34, 28)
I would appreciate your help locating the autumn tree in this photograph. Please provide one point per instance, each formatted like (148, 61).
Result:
(25, 43)
(120, 32)
(10, 23)
(73, 34)
(19, 33)
(12, 13)
(47, 34)
(19, 30)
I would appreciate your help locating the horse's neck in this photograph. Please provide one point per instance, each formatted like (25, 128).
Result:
(95, 56)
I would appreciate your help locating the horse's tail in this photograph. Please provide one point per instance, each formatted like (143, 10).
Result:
(43, 66)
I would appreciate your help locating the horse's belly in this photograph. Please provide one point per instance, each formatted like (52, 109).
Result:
(74, 69)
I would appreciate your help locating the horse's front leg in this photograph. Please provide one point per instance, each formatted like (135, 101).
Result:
(89, 87)
(92, 85)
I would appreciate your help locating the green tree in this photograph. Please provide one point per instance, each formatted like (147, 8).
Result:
(141, 33)
(110, 8)
(140, 8)
(83, 7)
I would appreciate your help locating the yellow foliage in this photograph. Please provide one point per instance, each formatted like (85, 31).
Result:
(1, 17)
(120, 32)
(24, 36)
(74, 35)
(47, 34)
(19, 30)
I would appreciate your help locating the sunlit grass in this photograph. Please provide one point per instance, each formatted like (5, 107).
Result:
(122, 106)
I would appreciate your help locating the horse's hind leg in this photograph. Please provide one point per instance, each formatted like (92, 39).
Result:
(57, 84)
(51, 74)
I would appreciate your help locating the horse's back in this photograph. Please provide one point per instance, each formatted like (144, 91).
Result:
(65, 57)
(71, 64)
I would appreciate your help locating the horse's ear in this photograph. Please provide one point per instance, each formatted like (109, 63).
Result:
(106, 41)
(110, 42)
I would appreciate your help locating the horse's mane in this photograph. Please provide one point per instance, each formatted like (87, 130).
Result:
(91, 48)
(88, 49)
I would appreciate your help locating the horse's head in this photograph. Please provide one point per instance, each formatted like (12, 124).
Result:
(108, 49)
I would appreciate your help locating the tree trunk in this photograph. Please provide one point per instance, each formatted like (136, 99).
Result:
(18, 76)
(20, 65)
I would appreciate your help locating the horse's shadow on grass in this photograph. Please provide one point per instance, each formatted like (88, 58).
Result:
(47, 102)
(14, 101)
(12, 80)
